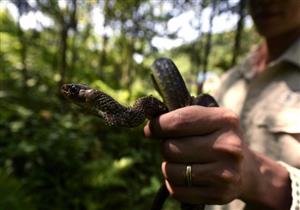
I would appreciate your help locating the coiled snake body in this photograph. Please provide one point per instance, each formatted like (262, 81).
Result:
(167, 81)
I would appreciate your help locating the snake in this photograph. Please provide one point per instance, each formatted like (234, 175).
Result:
(169, 83)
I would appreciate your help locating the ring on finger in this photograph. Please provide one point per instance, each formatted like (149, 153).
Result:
(188, 175)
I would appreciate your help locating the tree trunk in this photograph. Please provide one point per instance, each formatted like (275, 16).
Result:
(73, 25)
(102, 57)
(239, 31)
(129, 50)
(207, 47)
(65, 27)
(74, 52)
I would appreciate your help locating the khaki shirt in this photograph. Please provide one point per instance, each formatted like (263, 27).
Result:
(269, 107)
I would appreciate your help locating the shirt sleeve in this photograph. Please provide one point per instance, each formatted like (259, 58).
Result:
(295, 185)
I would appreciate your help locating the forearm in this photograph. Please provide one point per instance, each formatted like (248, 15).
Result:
(267, 185)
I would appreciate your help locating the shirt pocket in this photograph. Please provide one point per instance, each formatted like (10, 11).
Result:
(282, 125)
(283, 121)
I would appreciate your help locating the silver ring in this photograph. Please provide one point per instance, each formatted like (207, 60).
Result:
(188, 175)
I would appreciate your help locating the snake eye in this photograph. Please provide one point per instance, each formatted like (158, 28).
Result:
(74, 89)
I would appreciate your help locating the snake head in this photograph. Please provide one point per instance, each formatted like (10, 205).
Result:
(74, 92)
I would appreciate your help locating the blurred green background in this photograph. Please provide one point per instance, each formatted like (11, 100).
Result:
(55, 157)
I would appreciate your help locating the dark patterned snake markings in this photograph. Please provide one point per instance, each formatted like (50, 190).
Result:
(170, 85)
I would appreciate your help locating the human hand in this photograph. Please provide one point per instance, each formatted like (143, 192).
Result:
(223, 167)
(208, 139)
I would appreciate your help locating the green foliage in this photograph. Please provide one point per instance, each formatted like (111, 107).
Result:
(53, 156)
(12, 193)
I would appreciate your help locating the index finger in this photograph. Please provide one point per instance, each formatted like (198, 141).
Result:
(190, 121)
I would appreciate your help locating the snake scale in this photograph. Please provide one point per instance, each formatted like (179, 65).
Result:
(170, 85)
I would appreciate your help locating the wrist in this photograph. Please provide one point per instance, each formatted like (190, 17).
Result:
(266, 183)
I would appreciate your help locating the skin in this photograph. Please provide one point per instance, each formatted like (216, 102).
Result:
(211, 140)
(278, 22)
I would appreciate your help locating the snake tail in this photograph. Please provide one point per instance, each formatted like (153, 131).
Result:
(109, 109)
(160, 198)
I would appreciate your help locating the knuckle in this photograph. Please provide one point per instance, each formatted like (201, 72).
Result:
(228, 177)
(226, 192)
(231, 118)
(165, 147)
(169, 150)
(178, 120)
(229, 142)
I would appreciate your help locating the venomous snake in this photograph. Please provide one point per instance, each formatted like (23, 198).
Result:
(170, 85)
